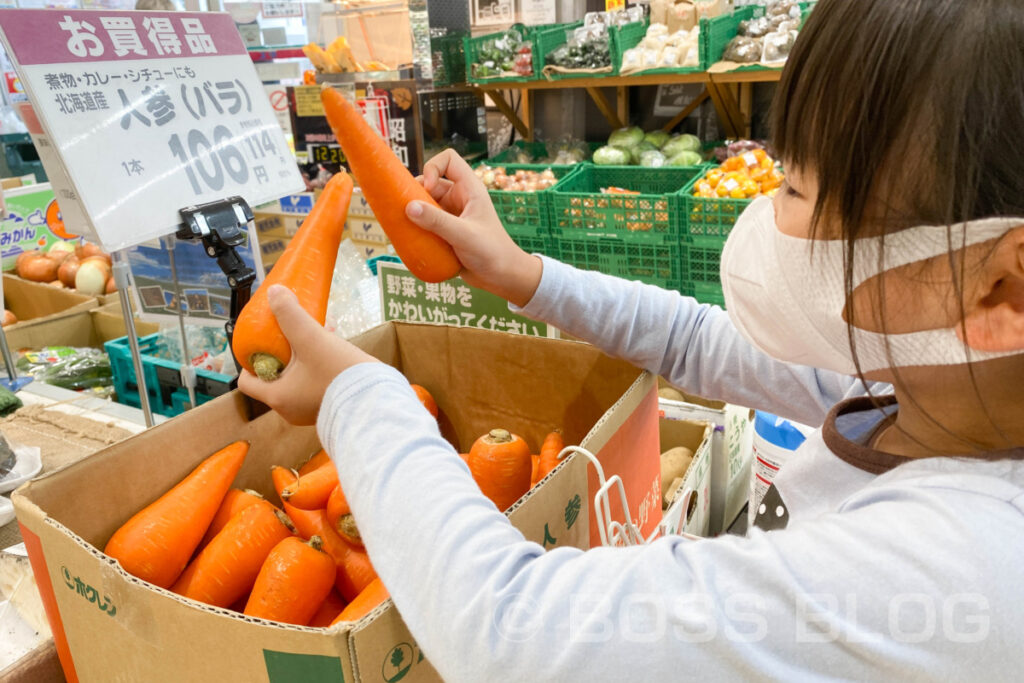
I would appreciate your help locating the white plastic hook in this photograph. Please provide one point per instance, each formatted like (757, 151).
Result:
(612, 533)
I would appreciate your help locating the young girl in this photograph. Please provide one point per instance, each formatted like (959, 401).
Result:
(879, 295)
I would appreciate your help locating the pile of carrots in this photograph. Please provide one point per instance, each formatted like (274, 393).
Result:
(302, 563)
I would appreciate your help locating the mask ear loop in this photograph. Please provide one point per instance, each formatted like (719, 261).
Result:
(613, 534)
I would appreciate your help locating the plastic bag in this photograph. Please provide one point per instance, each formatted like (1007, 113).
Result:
(76, 369)
(354, 304)
(743, 50)
(777, 47)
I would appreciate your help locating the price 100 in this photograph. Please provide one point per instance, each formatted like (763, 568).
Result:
(208, 162)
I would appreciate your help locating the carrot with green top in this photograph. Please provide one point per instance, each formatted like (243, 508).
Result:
(306, 268)
(226, 569)
(389, 187)
(157, 542)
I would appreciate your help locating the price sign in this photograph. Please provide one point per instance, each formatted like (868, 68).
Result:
(405, 298)
(149, 112)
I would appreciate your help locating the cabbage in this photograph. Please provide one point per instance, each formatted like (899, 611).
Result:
(658, 138)
(641, 147)
(685, 158)
(681, 143)
(652, 158)
(611, 156)
(626, 137)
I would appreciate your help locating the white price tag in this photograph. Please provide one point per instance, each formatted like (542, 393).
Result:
(149, 112)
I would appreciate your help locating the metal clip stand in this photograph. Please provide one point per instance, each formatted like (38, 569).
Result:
(120, 269)
(221, 226)
(13, 383)
(188, 371)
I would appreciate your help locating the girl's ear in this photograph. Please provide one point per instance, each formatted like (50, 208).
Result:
(995, 320)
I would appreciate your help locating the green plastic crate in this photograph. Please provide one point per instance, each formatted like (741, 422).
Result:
(472, 46)
(449, 54)
(707, 217)
(626, 257)
(717, 32)
(580, 211)
(620, 39)
(525, 215)
(706, 293)
(703, 259)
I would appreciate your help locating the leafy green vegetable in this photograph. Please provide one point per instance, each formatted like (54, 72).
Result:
(685, 158)
(626, 137)
(658, 138)
(681, 143)
(611, 156)
(652, 158)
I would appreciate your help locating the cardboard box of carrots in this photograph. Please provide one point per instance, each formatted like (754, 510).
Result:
(198, 602)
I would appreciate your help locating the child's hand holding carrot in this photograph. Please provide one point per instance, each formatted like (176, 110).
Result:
(317, 358)
(468, 222)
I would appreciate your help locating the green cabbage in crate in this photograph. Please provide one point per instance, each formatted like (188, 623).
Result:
(685, 158)
(681, 143)
(611, 156)
(652, 158)
(626, 137)
(658, 138)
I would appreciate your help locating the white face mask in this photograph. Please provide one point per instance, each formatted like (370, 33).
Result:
(790, 304)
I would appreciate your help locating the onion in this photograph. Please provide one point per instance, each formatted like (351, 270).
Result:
(60, 251)
(9, 318)
(38, 268)
(24, 256)
(92, 276)
(68, 269)
(86, 249)
(111, 285)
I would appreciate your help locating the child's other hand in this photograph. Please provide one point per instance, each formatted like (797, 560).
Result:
(317, 358)
(490, 259)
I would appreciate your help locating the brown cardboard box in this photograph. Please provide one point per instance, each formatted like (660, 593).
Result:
(85, 328)
(366, 230)
(276, 222)
(37, 305)
(681, 17)
(706, 9)
(359, 207)
(371, 249)
(690, 511)
(110, 626)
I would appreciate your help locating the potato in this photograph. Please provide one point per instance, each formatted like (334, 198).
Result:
(674, 463)
(671, 394)
(669, 497)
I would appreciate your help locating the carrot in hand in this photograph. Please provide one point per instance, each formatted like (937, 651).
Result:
(549, 450)
(354, 570)
(339, 516)
(501, 465)
(364, 603)
(295, 578)
(306, 267)
(311, 490)
(156, 543)
(235, 500)
(389, 187)
(328, 611)
(225, 569)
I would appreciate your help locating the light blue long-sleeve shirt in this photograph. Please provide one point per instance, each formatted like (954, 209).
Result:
(911, 574)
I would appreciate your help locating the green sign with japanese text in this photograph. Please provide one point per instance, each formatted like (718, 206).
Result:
(408, 299)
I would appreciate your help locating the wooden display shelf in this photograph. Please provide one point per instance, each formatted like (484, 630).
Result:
(729, 91)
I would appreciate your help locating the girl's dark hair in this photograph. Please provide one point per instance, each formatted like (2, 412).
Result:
(907, 112)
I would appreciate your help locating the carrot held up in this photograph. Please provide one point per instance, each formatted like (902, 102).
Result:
(388, 187)
(306, 268)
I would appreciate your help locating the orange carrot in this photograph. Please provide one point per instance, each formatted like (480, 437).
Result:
(388, 187)
(311, 490)
(235, 500)
(426, 399)
(500, 463)
(355, 572)
(549, 450)
(533, 470)
(339, 516)
(319, 458)
(307, 268)
(295, 578)
(328, 611)
(156, 543)
(364, 603)
(226, 569)
(282, 477)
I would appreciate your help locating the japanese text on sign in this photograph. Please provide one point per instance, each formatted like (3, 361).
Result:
(453, 303)
(174, 110)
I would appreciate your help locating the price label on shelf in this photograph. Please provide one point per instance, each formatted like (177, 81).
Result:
(149, 112)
